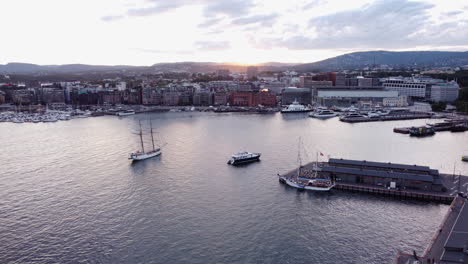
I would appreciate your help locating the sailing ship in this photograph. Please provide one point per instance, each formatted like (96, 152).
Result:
(142, 155)
(302, 181)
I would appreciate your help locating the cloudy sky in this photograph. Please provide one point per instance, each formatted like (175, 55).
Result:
(144, 32)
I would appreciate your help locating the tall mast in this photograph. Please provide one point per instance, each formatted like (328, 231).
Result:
(141, 137)
(299, 159)
(152, 138)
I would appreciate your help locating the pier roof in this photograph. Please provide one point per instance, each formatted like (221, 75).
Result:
(379, 173)
(457, 240)
(381, 165)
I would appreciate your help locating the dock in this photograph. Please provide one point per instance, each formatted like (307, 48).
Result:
(449, 244)
(450, 240)
(452, 125)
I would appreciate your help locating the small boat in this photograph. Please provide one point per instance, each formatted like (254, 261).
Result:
(421, 131)
(319, 184)
(458, 128)
(243, 157)
(295, 107)
(125, 113)
(142, 155)
(464, 158)
(323, 114)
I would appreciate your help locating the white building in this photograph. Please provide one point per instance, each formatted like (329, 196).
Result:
(444, 92)
(121, 86)
(423, 88)
(400, 101)
(406, 86)
(352, 96)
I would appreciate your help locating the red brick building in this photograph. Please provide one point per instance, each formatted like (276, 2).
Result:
(241, 99)
(265, 98)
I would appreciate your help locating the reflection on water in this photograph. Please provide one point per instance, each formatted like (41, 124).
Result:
(69, 194)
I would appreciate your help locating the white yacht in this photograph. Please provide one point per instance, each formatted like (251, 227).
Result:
(125, 113)
(244, 157)
(295, 107)
(323, 114)
(142, 155)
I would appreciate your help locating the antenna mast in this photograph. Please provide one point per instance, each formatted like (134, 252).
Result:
(141, 137)
(152, 138)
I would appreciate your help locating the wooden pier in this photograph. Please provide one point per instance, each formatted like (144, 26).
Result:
(405, 194)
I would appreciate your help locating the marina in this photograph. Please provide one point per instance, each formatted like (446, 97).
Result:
(158, 207)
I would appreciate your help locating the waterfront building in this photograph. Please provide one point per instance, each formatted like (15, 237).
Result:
(186, 97)
(340, 79)
(2, 97)
(400, 101)
(308, 82)
(365, 82)
(268, 78)
(384, 174)
(244, 87)
(152, 96)
(265, 98)
(111, 97)
(52, 95)
(406, 86)
(220, 98)
(302, 95)
(444, 91)
(275, 87)
(121, 86)
(203, 98)
(171, 98)
(241, 99)
(23, 96)
(348, 95)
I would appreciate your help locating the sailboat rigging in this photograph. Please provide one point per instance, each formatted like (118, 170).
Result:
(142, 155)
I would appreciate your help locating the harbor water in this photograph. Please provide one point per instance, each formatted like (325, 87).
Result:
(68, 193)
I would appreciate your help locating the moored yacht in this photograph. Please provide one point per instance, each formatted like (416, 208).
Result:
(244, 157)
(125, 113)
(295, 107)
(323, 114)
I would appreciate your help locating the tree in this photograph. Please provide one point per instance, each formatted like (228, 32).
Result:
(438, 106)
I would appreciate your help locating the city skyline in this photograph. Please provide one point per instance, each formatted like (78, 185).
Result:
(145, 32)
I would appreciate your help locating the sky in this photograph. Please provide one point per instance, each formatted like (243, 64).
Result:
(145, 32)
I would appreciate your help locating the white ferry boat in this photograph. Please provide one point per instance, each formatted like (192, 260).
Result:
(295, 107)
(244, 157)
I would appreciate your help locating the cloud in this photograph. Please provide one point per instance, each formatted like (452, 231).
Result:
(212, 45)
(156, 8)
(265, 20)
(156, 51)
(210, 22)
(314, 3)
(453, 13)
(111, 18)
(231, 8)
(394, 24)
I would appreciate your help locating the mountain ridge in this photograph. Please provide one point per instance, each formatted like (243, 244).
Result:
(354, 60)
